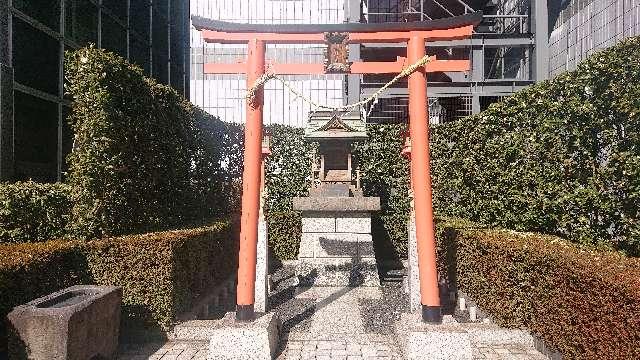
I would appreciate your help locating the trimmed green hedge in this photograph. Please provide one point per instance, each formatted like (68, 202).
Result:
(161, 273)
(385, 173)
(140, 149)
(285, 233)
(560, 157)
(581, 301)
(31, 212)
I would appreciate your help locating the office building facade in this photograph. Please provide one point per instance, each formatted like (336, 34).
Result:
(34, 135)
(508, 51)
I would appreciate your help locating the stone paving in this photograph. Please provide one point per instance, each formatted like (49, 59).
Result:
(330, 323)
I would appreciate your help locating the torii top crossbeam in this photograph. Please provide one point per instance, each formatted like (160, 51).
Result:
(453, 28)
(337, 37)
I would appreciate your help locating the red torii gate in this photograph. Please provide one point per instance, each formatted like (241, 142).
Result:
(415, 34)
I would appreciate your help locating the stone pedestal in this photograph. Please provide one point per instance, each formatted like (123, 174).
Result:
(413, 275)
(261, 303)
(337, 247)
(421, 341)
(240, 341)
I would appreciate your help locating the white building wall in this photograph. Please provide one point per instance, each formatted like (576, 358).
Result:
(223, 95)
(598, 25)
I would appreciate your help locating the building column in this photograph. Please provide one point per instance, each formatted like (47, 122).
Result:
(352, 15)
(540, 27)
(6, 96)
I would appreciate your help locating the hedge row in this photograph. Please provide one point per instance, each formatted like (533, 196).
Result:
(583, 302)
(560, 157)
(33, 212)
(161, 273)
(140, 149)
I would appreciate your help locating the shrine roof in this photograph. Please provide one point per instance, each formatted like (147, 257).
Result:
(201, 23)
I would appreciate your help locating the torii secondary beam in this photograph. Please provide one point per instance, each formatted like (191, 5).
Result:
(337, 36)
(358, 67)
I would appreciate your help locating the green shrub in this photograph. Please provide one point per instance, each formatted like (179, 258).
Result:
(32, 212)
(560, 157)
(161, 273)
(144, 158)
(385, 173)
(581, 301)
(285, 231)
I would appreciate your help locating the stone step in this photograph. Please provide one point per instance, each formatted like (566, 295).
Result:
(492, 334)
(195, 330)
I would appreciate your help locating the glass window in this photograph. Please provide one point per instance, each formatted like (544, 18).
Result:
(46, 12)
(160, 69)
(140, 18)
(177, 16)
(177, 79)
(160, 37)
(81, 21)
(36, 137)
(114, 36)
(177, 45)
(67, 139)
(36, 58)
(139, 53)
(117, 8)
(161, 7)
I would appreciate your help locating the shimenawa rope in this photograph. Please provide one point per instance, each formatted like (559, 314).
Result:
(251, 93)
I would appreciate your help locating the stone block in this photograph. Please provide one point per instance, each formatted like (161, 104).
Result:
(256, 340)
(77, 323)
(307, 246)
(337, 272)
(422, 341)
(413, 277)
(261, 303)
(334, 245)
(336, 204)
(358, 223)
(365, 247)
(330, 190)
(318, 223)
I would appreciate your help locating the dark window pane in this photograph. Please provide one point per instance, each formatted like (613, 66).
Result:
(81, 21)
(46, 12)
(161, 7)
(160, 37)
(139, 53)
(114, 36)
(177, 45)
(36, 58)
(67, 139)
(140, 18)
(160, 66)
(177, 16)
(176, 79)
(36, 137)
(117, 8)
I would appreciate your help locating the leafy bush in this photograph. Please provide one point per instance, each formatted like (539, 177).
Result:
(31, 212)
(560, 157)
(385, 173)
(161, 273)
(140, 149)
(285, 232)
(581, 301)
